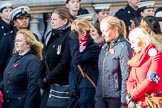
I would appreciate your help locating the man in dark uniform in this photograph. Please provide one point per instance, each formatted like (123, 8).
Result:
(6, 26)
(20, 17)
(128, 13)
(75, 9)
(6, 29)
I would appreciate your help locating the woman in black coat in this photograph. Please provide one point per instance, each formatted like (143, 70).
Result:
(84, 52)
(19, 85)
(56, 63)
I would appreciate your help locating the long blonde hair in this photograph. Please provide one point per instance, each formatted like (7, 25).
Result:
(32, 41)
(142, 34)
(115, 22)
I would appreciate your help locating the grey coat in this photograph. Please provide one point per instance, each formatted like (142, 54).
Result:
(113, 69)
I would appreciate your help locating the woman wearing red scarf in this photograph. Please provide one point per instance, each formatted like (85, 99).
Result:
(146, 72)
(84, 52)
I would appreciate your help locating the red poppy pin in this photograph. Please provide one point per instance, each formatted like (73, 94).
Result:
(16, 65)
(111, 51)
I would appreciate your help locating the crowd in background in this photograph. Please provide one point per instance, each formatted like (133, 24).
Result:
(120, 55)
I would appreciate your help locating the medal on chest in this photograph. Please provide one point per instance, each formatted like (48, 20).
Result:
(58, 49)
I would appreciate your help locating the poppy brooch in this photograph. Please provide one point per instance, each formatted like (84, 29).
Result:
(16, 65)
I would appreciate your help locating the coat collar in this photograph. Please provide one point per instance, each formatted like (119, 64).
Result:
(138, 58)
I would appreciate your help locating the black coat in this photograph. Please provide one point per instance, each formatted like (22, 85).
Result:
(5, 28)
(7, 36)
(20, 82)
(58, 58)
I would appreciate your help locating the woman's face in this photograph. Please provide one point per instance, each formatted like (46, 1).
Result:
(101, 15)
(21, 45)
(136, 43)
(108, 33)
(148, 12)
(56, 21)
(73, 5)
(5, 13)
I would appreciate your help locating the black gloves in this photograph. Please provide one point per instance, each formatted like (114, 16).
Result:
(73, 93)
(43, 83)
(74, 34)
(130, 101)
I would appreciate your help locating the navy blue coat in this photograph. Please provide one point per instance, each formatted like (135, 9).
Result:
(88, 60)
(20, 82)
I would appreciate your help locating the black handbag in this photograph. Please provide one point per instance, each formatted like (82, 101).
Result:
(58, 95)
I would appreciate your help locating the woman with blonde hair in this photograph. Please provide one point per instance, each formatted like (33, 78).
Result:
(20, 86)
(112, 64)
(84, 52)
(145, 75)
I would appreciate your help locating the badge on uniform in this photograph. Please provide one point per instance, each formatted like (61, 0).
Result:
(58, 49)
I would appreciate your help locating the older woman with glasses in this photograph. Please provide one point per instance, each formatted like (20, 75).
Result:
(19, 85)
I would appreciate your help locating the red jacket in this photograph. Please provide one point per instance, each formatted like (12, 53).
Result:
(1, 99)
(146, 73)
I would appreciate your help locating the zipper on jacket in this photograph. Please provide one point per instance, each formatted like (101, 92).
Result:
(103, 74)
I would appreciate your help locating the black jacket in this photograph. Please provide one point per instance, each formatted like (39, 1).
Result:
(6, 45)
(57, 56)
(5, 28)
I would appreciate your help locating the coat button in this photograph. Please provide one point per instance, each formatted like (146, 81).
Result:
(8, 82)
(19, 98)
(7, 91)
(8, 100)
